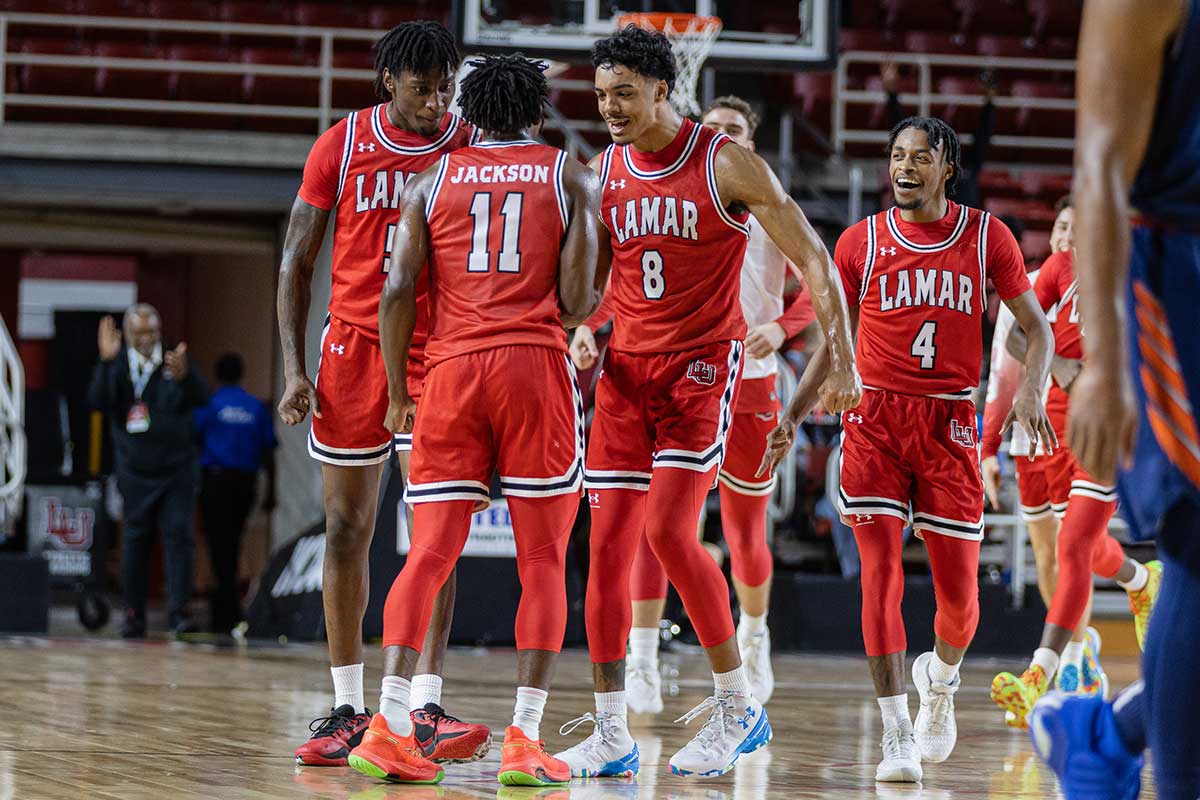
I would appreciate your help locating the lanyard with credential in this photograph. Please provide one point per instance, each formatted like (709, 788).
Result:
(139, 374)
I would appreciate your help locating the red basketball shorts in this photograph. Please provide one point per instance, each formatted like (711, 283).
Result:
(756, 415)
(662, 410)
(1033, 486)
(903, 450)
(515, 410)
(352, 391)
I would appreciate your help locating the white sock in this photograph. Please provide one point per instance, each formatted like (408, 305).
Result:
(941, 672)
(611, 703)
(734, 681)
(1138, 582)
(643, 647)
(895, 712)
(1072, 654)
(751, 625)
(426, 689)
(528, 714)
(1047, 659)
(348, 687)
(394, 704)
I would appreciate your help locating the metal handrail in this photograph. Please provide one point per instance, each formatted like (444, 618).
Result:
(12, 430)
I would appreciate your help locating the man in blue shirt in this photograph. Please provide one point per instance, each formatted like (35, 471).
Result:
(237, 438)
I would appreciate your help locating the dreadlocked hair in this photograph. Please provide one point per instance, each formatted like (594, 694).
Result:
(419, 47)
(938, 133)
(504, 94)
(645, 52)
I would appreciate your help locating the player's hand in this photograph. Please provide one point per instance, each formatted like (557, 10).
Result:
(779, 444)
(176, 361)
(583, 348)
(1102, 424)
(991, 480)
(108, 339)
(764, 340)
(1029, 412)
(842, 390)
(889, 73)
(299, 397)
(401, 414)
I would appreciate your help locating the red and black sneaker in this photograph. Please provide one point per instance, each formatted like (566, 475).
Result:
(333, 738)
(448, 740)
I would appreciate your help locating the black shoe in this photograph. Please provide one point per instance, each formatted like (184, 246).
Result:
(134, 625)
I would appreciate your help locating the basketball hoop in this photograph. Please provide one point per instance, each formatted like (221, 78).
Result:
(691, 36)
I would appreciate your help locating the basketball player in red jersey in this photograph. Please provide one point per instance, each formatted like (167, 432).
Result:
(917, 275)
(677, 199)
(356, 171)
(1084, 545)
(510, 231)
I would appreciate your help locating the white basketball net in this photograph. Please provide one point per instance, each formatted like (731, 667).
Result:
(691, 38)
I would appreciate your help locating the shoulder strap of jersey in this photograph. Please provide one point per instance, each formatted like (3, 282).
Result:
(560, 191)
(710, 175)
(347, 149)
(606, 164)
(443, 164)
(984, 219)
(869, 264)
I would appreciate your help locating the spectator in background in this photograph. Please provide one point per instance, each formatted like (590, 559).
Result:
(237, 437)
(148, 394)
(973, 157)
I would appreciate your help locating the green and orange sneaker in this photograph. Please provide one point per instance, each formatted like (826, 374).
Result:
(1018, 696)
(1141, 602)
(391, 757)
(525, 762)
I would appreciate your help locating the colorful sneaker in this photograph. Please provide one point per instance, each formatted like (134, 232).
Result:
(1077, 737)
(392, 757)
(1069, 680)
(756, 655)
(901, 762)
(643, 689)
(1019, 695)
(608, 752)
(935, 731)
(736, 724)
(1094, 678)
(1141, 602)
(524, 762)
(448, 740)
(333, 738)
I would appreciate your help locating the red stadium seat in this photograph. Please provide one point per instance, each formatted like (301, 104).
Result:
(183, 9)
(139, 83)
(204, 87)
(356, 92)
(384, 18)
(937, 42)
(963, 117)
(869, 39)
(1056, 17)
(1002, 46)
(41, 79)
(999, 183)
(1058, 46)
(993, 16)
(908, 15)
(813, 96)
(1033, 212)
(864, 14)
(1048, 186)
(330, 15)
(1035, 245)
(1040, 121)
(281, 90)
(257, 12)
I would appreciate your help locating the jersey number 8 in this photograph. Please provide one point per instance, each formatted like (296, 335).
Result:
(653, 281)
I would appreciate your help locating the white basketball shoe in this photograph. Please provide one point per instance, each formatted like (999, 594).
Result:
(736, 724)
(935, 730)
(609, 751)
(756, 656)
(643, 689)
(900, 764)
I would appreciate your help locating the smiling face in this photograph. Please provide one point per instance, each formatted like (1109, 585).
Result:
(1062, 236)
(628, 101)
(143, 332)
(918, 172)
(420, 100)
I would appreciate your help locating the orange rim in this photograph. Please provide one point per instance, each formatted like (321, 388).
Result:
(659, 21)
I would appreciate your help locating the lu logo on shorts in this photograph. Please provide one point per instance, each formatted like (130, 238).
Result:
(962, 434)
(702, 373)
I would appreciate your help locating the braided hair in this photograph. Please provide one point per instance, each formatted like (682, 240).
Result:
(504, 94)
(418, 47)
(938, 133)
(645, 52)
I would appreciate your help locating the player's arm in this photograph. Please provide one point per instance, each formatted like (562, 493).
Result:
(1121, 46)
(301, 244)
(1028, 410)
(583, 349)
(582, 259)
(1064, 370)
(398, 301)
(744, 178)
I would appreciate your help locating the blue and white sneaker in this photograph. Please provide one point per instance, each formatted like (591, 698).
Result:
(609, 752)
(1093, 679)
(736, 724)
(1068, 679)
(1076, 735)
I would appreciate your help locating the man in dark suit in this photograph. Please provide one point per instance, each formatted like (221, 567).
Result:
(148, 394)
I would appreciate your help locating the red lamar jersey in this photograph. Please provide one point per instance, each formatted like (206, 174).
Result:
(677, 252)
(497, 213)
(1058, 294)
(360, 165)
(920, 288)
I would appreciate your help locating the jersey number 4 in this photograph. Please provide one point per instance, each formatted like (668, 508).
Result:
(923, 346)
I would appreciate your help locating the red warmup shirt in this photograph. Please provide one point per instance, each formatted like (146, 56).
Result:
(677, 252)
(921, 292)
(360, 166)
(497, 214)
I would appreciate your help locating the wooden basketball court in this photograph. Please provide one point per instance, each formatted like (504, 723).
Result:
(99, 718)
